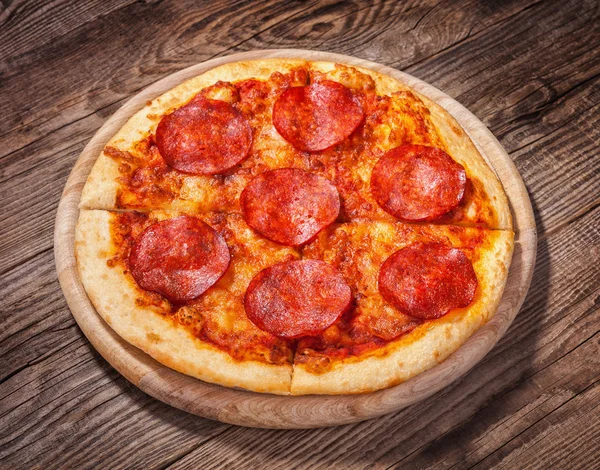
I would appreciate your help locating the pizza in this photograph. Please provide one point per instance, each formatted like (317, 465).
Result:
(294, 227)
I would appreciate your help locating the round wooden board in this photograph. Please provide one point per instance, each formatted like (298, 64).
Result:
(271, 411)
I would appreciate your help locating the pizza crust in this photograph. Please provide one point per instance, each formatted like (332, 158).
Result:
(113, 295)
(462, 149)
(424, 347)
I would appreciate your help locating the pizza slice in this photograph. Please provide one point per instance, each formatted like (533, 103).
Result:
(402, 133)
(198, 146)
(419, 292)
(173, 285)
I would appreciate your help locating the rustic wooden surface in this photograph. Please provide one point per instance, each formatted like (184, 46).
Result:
(530, 70)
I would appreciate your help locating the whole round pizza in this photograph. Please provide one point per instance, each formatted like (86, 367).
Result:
(294, 227)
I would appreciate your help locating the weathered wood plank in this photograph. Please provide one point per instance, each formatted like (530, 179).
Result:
(30, 211)
(507, 56)
(35, 321)
(73, 407)
(436, 28)
(562, 179)
(25, 25)
(566, 438)
(30, 194)
(399, 33)
(522, 408)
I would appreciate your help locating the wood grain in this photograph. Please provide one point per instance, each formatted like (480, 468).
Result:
(527, 69)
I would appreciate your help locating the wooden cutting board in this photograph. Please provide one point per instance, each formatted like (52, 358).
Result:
(270, 411)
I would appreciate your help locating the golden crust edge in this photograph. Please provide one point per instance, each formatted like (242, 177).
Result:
(423, 348)
(462, 148)
(114, 300)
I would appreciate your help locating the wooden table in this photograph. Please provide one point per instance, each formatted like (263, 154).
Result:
(530, 70)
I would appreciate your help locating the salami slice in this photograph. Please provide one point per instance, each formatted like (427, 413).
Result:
(427, 280)
(297, 298)
(179, 258)
(317, 116)
(414, 182)
(289, 205)
(204, 137)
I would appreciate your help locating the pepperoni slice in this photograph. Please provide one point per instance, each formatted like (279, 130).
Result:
(427, 280)
(179, 258)
(204, 137)
(297, 298)
(290, 206)
(414, 182)
(317, 116)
